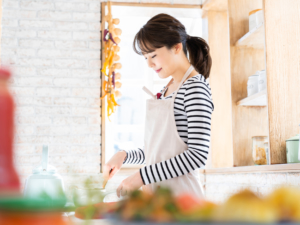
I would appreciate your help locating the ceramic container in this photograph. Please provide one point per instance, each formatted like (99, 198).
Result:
(256, 17)
(44, 181)
(292, 149)
(252, 85)
(262, 80)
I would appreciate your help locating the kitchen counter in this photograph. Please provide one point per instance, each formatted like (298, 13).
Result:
(76, 221)
(293, 167)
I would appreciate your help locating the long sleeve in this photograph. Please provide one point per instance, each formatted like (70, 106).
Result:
(193, 120)
(135, 156)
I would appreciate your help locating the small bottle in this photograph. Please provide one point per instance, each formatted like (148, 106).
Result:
(9, 180)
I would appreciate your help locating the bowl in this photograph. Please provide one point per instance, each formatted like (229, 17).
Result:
(88, 195)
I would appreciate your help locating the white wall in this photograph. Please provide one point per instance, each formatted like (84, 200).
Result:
(54, 49)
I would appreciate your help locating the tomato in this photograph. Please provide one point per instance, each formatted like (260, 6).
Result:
(187, 202)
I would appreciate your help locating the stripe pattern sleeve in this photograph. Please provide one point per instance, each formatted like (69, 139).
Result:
(194, 131)
(135, 156)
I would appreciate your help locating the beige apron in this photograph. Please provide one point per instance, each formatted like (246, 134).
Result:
(162, 142)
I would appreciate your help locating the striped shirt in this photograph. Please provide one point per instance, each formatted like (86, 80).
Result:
(193, 107)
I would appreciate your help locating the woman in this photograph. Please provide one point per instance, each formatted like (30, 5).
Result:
(178, 119)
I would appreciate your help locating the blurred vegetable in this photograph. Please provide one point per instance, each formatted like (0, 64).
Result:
(245, 207)
(96, 211)
(163, 206)
(159, 207)
(286, 201)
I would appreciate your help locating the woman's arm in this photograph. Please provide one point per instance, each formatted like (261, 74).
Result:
(135, 156)
(198, 107)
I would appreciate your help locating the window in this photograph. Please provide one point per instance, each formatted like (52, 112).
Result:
(126, 129)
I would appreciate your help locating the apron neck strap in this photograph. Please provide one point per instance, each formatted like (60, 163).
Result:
(167, 86)
(149, 92)
(187, 73)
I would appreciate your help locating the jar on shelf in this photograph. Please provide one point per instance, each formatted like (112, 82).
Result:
(262, 80)
(259, 151)
(256, 17)
(252, 85)
(292, 149)
(266, 144)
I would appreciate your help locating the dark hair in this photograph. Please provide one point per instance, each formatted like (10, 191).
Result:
(164, 30)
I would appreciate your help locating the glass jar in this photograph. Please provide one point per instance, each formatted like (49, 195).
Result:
(267, 151)
(259, 153)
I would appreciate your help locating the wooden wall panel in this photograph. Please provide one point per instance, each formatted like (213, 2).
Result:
(246, 121)
(221, 132)
(282, 30)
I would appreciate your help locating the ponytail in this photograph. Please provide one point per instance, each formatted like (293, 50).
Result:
(199, 55)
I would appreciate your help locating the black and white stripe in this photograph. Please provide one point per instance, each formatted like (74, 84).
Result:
(135, 157)
(193, 107)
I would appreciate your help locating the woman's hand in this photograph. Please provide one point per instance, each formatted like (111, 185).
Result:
(113, 165)
(129, 184)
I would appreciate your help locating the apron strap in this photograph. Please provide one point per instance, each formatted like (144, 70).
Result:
(167, 85)
(149, 92)
(190, 69)
(187, 73)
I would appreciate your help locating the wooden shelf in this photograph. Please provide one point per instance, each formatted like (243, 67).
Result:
(253, 39)
(258, 99)
(273, 46)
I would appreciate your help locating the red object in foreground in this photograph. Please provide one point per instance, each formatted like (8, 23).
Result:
(158, 95)
(9, 182)
(32, 218)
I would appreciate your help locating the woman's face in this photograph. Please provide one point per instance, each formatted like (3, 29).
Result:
(162, 61)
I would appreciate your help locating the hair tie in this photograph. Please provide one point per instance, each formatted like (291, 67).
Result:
(188, 37)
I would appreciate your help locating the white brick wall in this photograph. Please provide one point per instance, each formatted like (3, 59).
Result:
(54, 50)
